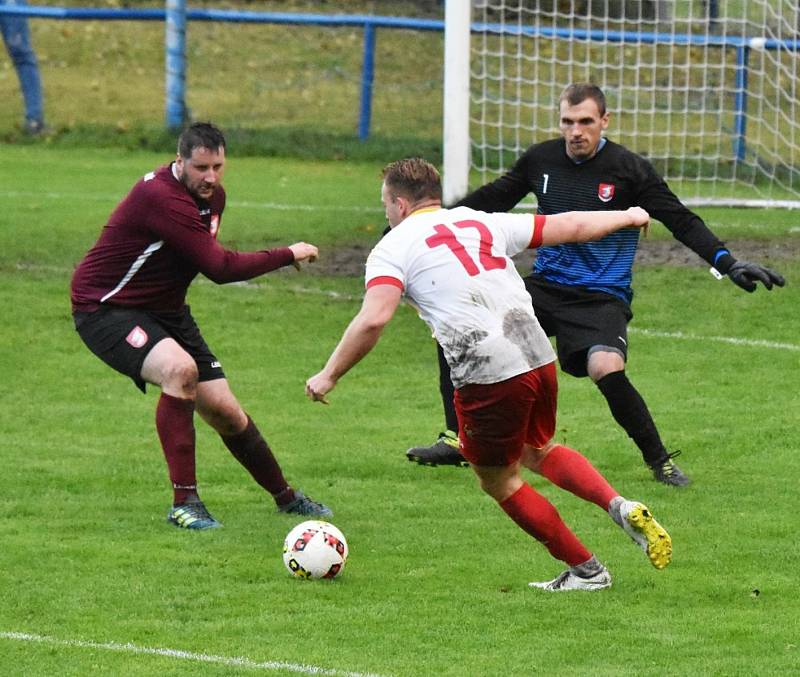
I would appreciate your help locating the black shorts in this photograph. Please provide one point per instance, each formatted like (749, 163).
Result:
(579, 319)
(123, 337)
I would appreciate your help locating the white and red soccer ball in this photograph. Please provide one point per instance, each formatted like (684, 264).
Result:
(315, 549)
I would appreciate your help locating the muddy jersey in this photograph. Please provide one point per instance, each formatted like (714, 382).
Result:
(155, 242)
(454, 265)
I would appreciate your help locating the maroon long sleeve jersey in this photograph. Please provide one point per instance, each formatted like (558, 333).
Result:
(155, 242)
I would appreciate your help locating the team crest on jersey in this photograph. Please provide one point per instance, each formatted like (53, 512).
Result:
(214, 225)
(138, 337)
(605, 191)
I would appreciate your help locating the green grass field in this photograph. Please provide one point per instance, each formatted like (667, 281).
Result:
(95, 582)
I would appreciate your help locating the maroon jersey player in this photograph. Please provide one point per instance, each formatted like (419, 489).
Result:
(129, 306)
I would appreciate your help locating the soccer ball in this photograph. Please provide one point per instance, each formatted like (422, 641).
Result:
(315, 549)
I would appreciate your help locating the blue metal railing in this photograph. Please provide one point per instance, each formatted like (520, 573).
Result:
(176, 111)
(369, 23)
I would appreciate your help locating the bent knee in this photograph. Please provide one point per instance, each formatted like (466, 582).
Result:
(603, 361)
(499, 484)
(533, 456)
(180, 375)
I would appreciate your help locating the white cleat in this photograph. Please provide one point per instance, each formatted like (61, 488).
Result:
(570, 581)
(639, 523)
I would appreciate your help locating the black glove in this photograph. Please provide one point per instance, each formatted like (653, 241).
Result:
(746, 274)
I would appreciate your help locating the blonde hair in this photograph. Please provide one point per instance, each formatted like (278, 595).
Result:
(414, 179)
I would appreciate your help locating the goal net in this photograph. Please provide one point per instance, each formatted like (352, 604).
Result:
(706, 89)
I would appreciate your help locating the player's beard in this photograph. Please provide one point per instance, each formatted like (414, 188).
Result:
(196, 188)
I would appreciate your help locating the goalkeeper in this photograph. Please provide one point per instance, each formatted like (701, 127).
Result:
(582, 292)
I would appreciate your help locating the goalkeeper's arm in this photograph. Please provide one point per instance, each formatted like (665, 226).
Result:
(689, 229)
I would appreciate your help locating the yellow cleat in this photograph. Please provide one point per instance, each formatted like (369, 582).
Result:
(641, 526)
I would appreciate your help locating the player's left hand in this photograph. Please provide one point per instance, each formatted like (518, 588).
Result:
(318, 386)
(747, 275)
(640, 218)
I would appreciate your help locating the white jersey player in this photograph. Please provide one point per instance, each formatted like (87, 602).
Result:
(455, 266)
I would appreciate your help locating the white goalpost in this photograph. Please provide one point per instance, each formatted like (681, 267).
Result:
(707, 90)
(455, 127)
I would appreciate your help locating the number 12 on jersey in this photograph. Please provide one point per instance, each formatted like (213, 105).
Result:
(447, 238)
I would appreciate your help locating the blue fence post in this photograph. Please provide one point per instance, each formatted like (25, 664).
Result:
(740, 103)
(367, 76)
(713, 12)
(175, 67)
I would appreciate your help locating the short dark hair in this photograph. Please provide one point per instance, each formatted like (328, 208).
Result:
(578, 92)
(413, 178)
(200, 135)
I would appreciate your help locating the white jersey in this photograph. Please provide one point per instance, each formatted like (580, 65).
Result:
(455, 266)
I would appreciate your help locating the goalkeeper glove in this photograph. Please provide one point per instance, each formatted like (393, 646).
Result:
(746, 275)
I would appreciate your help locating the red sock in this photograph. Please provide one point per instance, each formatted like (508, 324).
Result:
(175, 426)
(571, 470)
(537, 516)
(252, 451)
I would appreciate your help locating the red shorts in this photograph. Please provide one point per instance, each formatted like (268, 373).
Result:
(496, 419)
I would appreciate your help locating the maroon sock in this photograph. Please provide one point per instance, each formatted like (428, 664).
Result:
(536, 515)
(252, 451)
(572, 471)
(175, 426)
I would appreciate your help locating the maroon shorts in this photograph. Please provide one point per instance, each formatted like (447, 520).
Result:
(496, 419)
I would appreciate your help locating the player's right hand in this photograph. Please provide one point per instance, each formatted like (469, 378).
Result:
(318, 386)
(304, 252)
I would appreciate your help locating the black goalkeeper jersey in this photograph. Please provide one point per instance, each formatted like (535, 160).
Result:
(615, 178)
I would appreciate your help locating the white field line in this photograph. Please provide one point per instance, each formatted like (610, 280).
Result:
(754, 343)
(248, 204)
(130, 648)
(244, 204)
(337, 296)
(310, 291)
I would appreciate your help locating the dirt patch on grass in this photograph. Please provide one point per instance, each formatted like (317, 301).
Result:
(349, 261)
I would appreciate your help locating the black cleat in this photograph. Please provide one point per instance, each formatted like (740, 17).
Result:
(667, 472)
(308, 507)
(192, 515)
(442, 452)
